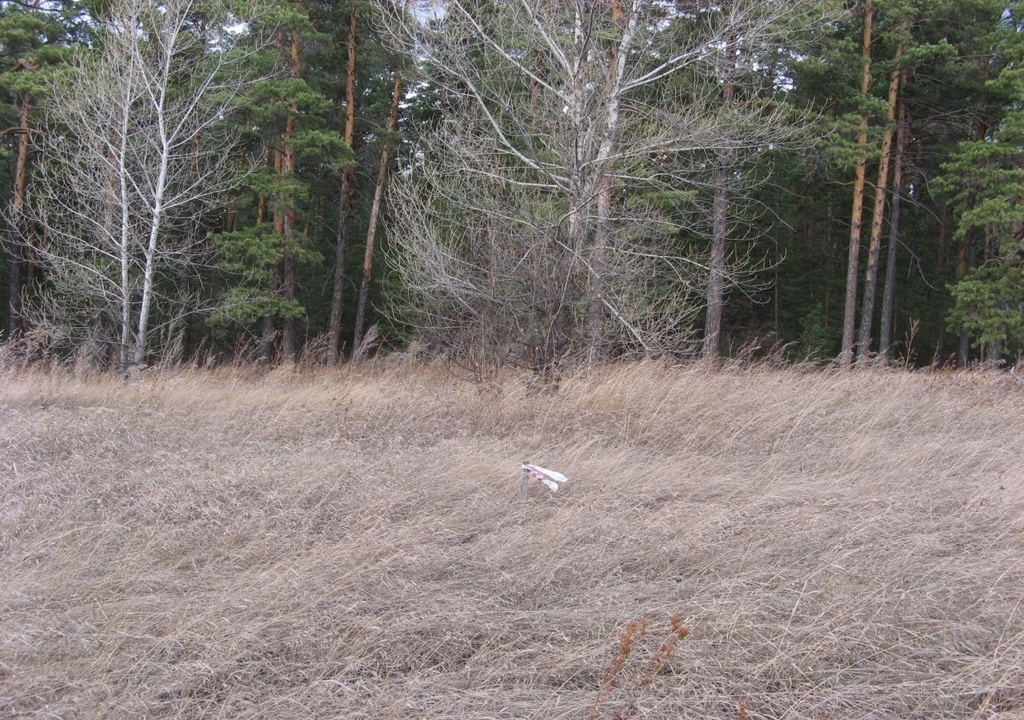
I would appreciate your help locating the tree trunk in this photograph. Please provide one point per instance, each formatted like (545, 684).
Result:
(598, 270)
(267, 340)
(156, 218)
(371, 232)
(716, 280)
(18, 241)
(149, 262)
(967, 260)
(602, 231)
(267, 330)
(563, 326)
(856, 216)
(619, 52)
(345, 201)
(719, 229)
(889, 293)
(878, 216)
(287, 229)
(16, 254)
(288, 335)
(124, 237)
(278, 226)
(970, 260)
(288, 341)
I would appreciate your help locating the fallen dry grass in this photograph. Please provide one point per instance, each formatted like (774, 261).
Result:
(351, 545)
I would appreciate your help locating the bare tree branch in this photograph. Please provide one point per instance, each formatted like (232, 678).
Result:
(136, 153)
(561, 205)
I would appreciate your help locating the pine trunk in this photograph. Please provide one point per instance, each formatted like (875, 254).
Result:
(857, 214)
(889, 293)
(970, 261)
(266, 350)
(288, 339)
(345, 200)
(267, 340)
(878, 217)
(371, 232)
(288, 334)
(967, 260)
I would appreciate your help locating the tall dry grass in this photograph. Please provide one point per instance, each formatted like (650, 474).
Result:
(351, 544)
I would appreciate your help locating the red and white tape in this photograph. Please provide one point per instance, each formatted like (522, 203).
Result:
(553, 480)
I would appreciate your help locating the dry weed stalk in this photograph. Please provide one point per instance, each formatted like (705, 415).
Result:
(635, 633)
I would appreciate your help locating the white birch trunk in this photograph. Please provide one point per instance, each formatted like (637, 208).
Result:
(157, 91)
(598, 264)
(124, 240)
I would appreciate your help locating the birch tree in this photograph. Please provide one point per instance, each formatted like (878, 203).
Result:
(136, 155)
(543, 214)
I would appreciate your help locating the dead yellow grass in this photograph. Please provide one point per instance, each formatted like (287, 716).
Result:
(351, 545)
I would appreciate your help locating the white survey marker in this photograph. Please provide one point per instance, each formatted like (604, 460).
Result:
(549, 477)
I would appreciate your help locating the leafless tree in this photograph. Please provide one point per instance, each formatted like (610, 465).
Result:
(579, 141)
(136, 152)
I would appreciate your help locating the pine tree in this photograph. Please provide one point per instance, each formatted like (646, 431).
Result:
(274, 244)
(35, 41)
(984, 179)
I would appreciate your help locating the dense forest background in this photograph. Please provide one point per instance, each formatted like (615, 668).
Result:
(502, 182)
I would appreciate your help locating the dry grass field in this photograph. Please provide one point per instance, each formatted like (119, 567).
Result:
(352, 545)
